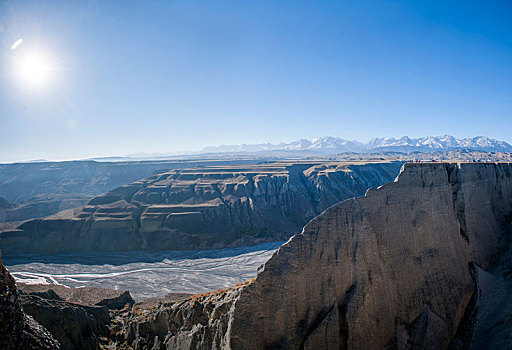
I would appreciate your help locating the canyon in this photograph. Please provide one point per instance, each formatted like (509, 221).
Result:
(201, 208)
(399, 268)
(421, 262)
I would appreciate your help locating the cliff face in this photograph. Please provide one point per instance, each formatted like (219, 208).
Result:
(394, 269)
(209, 207)
(391, 269)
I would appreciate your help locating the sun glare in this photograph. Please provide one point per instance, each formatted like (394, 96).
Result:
(33, 70)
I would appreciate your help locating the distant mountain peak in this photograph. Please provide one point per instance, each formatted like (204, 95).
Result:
(332, 144)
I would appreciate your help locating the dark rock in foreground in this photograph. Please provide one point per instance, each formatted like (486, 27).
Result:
(79, 318)
(74, 326)
(118, 302)
(18, 330)
(394, 269)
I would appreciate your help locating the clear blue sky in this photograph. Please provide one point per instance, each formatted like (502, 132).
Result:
(171, 76)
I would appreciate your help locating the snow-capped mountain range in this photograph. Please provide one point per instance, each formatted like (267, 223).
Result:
(329, 144)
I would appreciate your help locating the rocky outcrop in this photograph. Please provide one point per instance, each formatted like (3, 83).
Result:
(118, 302)
(79, 318)
(18, 330)
(396, 269)
(199, 322)
(74, 326)
(88, 296)
(204, 207)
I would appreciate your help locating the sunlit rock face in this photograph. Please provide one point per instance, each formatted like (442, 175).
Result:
(206, 207)
(393, 269)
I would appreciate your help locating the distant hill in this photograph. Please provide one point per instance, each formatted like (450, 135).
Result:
(331, 145)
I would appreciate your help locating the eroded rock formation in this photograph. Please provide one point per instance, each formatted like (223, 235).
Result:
(208, 207)
(74, 326)
(394, 269)
(79, 318)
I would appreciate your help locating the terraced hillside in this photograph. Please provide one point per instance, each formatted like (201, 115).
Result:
(34, 190)
(203, 207)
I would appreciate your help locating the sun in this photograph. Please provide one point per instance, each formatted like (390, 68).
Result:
(33, 69)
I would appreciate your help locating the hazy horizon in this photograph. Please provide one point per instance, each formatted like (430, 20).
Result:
(211, 149)
(176, 76)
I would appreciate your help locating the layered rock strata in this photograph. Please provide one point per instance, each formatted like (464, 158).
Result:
(208, 207)
(396, 269)
(20, 182)
(40, 189)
